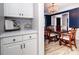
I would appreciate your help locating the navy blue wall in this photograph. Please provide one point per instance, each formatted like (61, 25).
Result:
(74, 18)
(47, 20)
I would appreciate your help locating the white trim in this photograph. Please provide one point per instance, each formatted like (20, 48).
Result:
(41, 22)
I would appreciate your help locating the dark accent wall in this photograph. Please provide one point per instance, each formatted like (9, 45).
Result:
(47, 20)
(74, 18)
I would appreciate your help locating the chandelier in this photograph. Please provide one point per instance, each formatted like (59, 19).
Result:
(52, 7)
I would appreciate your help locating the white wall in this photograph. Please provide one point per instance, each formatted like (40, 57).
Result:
(41, 22)
(35, 20)
(38, 24)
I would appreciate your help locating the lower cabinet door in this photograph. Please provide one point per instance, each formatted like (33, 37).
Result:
(11, 49)
(30, 47)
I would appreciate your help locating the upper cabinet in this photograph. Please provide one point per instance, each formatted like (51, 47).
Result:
(18, 10)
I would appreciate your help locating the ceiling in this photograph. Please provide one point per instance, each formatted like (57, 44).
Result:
(62, 6)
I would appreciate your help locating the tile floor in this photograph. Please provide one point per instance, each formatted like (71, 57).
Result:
(55, 49)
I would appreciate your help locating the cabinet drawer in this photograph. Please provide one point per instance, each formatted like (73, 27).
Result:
(11, 39)
(29, 36)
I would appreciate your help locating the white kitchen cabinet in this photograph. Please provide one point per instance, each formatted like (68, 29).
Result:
(10, 9)
(18, 10)
(11, 49)
(30, 44)
(10, 40)
(29, 37)
(9, 45)
(30, 47)
(27, 10)
(19, 45)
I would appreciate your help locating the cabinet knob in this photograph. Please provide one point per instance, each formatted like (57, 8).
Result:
(14, 40)
(22, 14)
(30, 37)
(24, 45)
(21, 46)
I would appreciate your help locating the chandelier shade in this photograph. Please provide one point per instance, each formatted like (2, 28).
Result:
(52, 7)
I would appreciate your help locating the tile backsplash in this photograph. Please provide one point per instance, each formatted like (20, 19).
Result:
(24, 23)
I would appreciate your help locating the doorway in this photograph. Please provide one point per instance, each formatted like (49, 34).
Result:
(58, 24)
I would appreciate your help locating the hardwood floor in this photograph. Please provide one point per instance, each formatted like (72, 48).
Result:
(55, 49)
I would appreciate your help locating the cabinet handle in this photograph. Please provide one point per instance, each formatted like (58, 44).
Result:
(21, 46)
(14, 40)
(24, 45)
(30, 36)
(22, 14)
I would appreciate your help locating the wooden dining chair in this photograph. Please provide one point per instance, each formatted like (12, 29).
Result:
(68, 38)
(49, 34)
(46, 34)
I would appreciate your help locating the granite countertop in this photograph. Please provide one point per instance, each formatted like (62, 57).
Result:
(20, 32)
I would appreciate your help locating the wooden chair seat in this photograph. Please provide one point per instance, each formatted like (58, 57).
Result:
(52, 34)
(65, 37)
